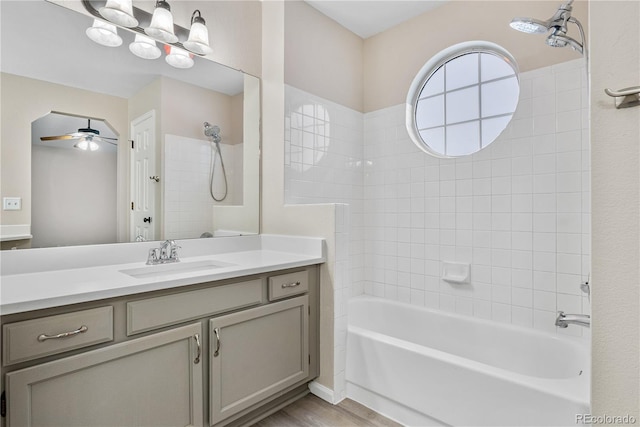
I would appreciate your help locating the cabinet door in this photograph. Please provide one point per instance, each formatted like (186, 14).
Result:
(151, 381)
(259, 353)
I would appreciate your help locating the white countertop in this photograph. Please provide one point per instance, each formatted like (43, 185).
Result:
(30, 287)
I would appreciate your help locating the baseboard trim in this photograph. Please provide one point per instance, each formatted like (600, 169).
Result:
(324, 392)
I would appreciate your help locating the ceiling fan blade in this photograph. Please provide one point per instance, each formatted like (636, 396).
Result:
(57, 138)
(105, 140)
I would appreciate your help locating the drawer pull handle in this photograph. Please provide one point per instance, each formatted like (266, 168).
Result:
(290, 285)
(217, 332)
(80, 330)
(197, 359)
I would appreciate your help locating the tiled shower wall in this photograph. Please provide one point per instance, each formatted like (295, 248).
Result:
(187, 205)
(323, 164)
(517, 211)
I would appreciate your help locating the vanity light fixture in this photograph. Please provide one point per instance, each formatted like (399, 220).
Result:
(178, 58)
(119, 12)
(145, 47)
(161, 26)
(198, 41)
(104, 33)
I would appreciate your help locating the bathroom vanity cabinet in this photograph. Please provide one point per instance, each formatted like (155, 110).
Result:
(218, 353)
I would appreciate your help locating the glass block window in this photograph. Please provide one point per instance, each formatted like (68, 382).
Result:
(462, 99)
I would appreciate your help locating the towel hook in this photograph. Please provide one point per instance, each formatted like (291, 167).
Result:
(626, 97)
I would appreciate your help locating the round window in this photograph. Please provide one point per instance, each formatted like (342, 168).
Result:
(462, 99)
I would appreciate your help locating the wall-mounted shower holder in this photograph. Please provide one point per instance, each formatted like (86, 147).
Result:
(626, 97)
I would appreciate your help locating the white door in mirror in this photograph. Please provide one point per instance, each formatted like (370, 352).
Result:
(143, 172)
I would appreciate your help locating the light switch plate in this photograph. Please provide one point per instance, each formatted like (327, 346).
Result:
(11, 203)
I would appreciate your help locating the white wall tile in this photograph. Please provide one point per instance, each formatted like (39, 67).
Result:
(518, 211)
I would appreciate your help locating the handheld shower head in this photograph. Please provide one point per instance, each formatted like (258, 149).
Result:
(561, 39)
(212, 131)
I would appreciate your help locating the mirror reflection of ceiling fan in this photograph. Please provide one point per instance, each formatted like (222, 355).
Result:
(85, 138)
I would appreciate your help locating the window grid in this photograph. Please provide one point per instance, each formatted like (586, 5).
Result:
(444, 93)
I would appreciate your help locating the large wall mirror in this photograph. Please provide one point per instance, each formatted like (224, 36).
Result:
(101, 146)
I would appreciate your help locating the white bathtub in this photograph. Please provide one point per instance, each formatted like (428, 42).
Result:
(428, 368)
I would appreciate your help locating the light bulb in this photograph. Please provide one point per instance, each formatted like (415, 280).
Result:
(161, 26)
(198, 41)
(104, 34)
(119, 12)
(145, 47)
(178, 58)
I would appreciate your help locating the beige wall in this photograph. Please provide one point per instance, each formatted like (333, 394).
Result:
(615, 181)
(244, 218)
(73, 196)
(25, 100)
(321, 56)
(392, 58)
(309, 220)
(237, 105)
(186, 107)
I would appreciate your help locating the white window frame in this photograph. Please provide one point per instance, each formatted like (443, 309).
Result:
(430, 68)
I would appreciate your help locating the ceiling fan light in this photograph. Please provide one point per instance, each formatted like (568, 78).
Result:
(161, 26)
(119, 12)
(145, 47)
(198, 41)
(179, 58)
(93, 146)
(104, 34)
(83, 144)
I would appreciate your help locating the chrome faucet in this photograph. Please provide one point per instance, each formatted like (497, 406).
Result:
(166, 253)
(564, 320)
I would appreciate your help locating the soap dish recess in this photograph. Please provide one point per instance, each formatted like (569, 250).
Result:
(456, 272)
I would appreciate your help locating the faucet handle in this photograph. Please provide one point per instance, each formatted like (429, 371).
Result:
(154, 256)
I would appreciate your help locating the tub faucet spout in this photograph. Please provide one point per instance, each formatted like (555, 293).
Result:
(564, 320)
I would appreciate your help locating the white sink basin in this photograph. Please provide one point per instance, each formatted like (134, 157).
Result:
(175, 268)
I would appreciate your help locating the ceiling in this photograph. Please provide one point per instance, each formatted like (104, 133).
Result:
(369, 17)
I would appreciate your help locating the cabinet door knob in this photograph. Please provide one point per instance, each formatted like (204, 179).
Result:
(197, 359)
(217, 332)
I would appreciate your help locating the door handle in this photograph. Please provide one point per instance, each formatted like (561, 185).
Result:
(197, 359)
(82, 329)
(148, 219)
(155, 178)
(217, 351)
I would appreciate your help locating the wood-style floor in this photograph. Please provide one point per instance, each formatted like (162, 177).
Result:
(311, 411)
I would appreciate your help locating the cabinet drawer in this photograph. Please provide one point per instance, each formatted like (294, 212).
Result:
(45, 336)
(288, 284)
(153, 313)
